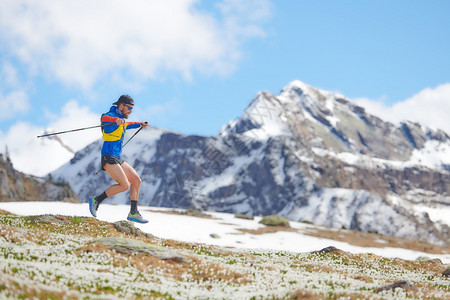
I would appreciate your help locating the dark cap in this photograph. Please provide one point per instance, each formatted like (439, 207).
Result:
(124, 99)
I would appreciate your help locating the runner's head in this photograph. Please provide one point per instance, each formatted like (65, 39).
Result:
(125, 104)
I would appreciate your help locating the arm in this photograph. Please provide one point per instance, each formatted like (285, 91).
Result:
(110, 119)
(131, 125)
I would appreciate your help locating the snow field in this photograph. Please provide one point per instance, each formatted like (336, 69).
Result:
(198, 230)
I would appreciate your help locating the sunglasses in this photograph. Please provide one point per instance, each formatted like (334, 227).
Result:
(129, 107)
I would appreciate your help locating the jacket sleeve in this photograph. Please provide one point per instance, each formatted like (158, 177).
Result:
(131, 125)
(108, 119)
(111, 121)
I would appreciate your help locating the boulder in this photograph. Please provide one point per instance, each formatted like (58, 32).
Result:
(130, 246)
(403, 284)
(329, 249)
(128, 228)
(275, 220)
(214, 236)
(49, 219)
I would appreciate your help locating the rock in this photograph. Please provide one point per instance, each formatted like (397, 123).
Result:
(437, 261)
(129, 246)
(214, 236)
(195, 213)
(446, 273)
(427, 259)
(275, 220)
(328, 249)
(403, 284)
(129, 229)
(242, 216)
(422, 259)
(49, 219)
(18, 186)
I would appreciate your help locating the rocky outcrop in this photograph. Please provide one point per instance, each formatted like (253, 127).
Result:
(17, 186)
(128, 228)
(402, 284)
(130, 246)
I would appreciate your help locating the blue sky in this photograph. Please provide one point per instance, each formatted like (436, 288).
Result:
(192, 66)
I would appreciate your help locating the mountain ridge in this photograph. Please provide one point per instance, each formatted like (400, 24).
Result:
(17, 186)
(306, 154)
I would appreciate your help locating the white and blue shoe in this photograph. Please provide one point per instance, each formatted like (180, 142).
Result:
(136, 218)
(93, 206)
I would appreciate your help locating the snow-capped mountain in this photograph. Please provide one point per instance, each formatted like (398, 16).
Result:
(307, 154)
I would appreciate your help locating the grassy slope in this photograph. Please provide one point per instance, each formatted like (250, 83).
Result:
(61, 259)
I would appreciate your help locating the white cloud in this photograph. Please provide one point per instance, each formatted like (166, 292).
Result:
(77, 42)
(429, 107)
(245, 15)
(73, 116)
(30, 154)
(9, 75)
(13, 96)
(38, 156)
(18, 135)
(13, 102)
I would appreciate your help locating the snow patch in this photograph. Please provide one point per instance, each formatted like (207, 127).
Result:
(191, 229)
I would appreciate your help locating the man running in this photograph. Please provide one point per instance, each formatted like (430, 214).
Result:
(125, 176)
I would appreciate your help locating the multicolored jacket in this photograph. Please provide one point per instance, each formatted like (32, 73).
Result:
(113, 134)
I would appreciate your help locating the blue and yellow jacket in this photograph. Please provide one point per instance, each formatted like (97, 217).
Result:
(113, 134)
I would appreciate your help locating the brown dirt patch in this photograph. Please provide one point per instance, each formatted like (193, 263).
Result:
(306, 295)
(33, 292)
(12, 235)
(367, 260)
(5, 213)
(195, 267)
(268, 229)
(189, 212)
(204, 272)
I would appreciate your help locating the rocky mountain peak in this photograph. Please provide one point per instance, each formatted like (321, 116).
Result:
(305, 154)
(318, 119)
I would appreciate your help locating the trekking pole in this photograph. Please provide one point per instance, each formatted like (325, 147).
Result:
(132, 136)
(78, 129)
(126, 143)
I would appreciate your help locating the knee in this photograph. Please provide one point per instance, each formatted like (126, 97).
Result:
(136, 181)
(124, 186)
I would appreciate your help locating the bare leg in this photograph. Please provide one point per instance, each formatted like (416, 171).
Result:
(134, 180)
(126, 178)
(118, 174)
